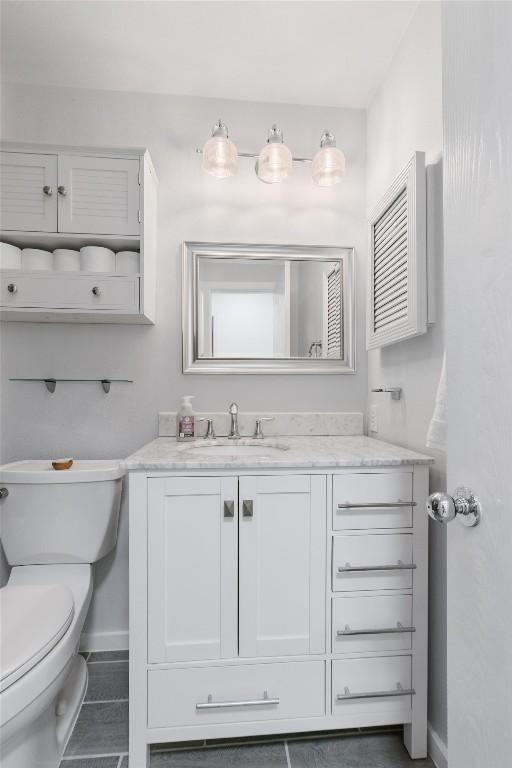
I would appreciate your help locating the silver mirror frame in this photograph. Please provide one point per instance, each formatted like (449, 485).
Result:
(193, 364)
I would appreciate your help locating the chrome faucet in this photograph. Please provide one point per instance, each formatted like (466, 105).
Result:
(234, 433)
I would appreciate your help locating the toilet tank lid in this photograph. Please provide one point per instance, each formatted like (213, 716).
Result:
(34, 618)
(41, 471)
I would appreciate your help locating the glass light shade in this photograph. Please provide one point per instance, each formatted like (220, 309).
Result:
(329, 162)
(220, 158)
(274, 163)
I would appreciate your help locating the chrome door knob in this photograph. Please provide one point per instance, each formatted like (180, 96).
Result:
(4, 492)
(12, 288)
(463, 504)
(96, 291)
(48, 190)
(62, 190)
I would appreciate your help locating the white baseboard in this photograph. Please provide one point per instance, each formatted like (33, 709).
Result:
(437, 749)
(104, 641)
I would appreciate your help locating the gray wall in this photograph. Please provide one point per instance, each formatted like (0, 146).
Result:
(80, 420)
(406, 115)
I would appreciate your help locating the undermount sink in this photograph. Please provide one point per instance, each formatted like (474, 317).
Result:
(234, 449)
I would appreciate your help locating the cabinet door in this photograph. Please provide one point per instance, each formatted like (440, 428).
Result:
(28, 192)
(282, 577)
(98, 195)
(192, 568)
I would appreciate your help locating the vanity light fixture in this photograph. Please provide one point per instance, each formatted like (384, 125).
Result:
(274, 162)
(220, 157)
(328, 163)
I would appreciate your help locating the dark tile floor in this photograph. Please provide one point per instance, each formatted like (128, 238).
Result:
(100, 737)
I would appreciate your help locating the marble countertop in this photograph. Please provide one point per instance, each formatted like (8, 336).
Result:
(166, 453)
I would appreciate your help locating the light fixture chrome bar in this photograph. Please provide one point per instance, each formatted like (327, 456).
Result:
(347, 568)
(383, 631)
(399, 691)
(251, 154)
(383, 505)
(211, 704)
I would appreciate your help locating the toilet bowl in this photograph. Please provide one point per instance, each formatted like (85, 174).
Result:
(54, 526)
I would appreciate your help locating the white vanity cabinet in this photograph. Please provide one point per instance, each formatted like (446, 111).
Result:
(63, 197)
(217, 587)
(266, 602)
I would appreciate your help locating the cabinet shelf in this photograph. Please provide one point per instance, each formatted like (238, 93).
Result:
(51, 240)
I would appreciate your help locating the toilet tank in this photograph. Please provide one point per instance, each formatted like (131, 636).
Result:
(59, 516)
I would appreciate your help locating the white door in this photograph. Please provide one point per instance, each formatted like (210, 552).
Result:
(28, 192)
(477, 95)
(192, 568)
(99, 195)
(282, 570)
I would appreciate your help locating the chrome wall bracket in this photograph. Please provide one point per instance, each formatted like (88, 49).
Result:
(51, 384)
(395, 392)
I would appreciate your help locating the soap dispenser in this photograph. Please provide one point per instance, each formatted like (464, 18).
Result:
(185, 420)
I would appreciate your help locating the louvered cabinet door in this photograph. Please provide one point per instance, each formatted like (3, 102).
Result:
(397, 302)
(28, 192)
(98, 195)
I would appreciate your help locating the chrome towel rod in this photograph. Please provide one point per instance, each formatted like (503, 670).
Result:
(51, 383)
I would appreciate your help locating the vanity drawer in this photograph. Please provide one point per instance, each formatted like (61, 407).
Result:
(373, 561)
(372, 500)
(365, 623)
(48, 290)
(359, 687)
(239, 693)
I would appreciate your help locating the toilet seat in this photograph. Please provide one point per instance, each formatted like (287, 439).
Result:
(34, 619)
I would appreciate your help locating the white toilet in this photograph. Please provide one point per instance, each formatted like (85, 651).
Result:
(54, 525)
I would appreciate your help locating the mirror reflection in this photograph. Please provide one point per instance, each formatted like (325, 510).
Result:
(269, 308)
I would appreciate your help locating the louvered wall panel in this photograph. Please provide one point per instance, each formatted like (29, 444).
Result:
(397, 299)
(334, 315)
(101, 195)
(23, 202)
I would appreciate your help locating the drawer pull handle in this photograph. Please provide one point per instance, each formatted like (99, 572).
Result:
(384, 631)
(12, 288)
(378, 504)
(96, 291)
(398, 691)
(347, 568)
(211, 704)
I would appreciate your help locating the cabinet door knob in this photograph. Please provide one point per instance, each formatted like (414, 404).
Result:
(96, 291)
(12, 288)
(62, 190)
(48, 190)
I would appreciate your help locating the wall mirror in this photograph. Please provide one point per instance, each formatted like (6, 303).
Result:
(267, 309)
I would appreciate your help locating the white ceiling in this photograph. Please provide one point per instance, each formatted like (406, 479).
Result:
(323, 53)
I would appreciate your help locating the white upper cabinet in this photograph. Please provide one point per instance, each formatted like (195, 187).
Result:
(28, 192)
(70, 197)
(282, 565)
(192, 568)
(98, 195)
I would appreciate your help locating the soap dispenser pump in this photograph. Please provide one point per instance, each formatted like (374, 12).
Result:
(185, 420)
